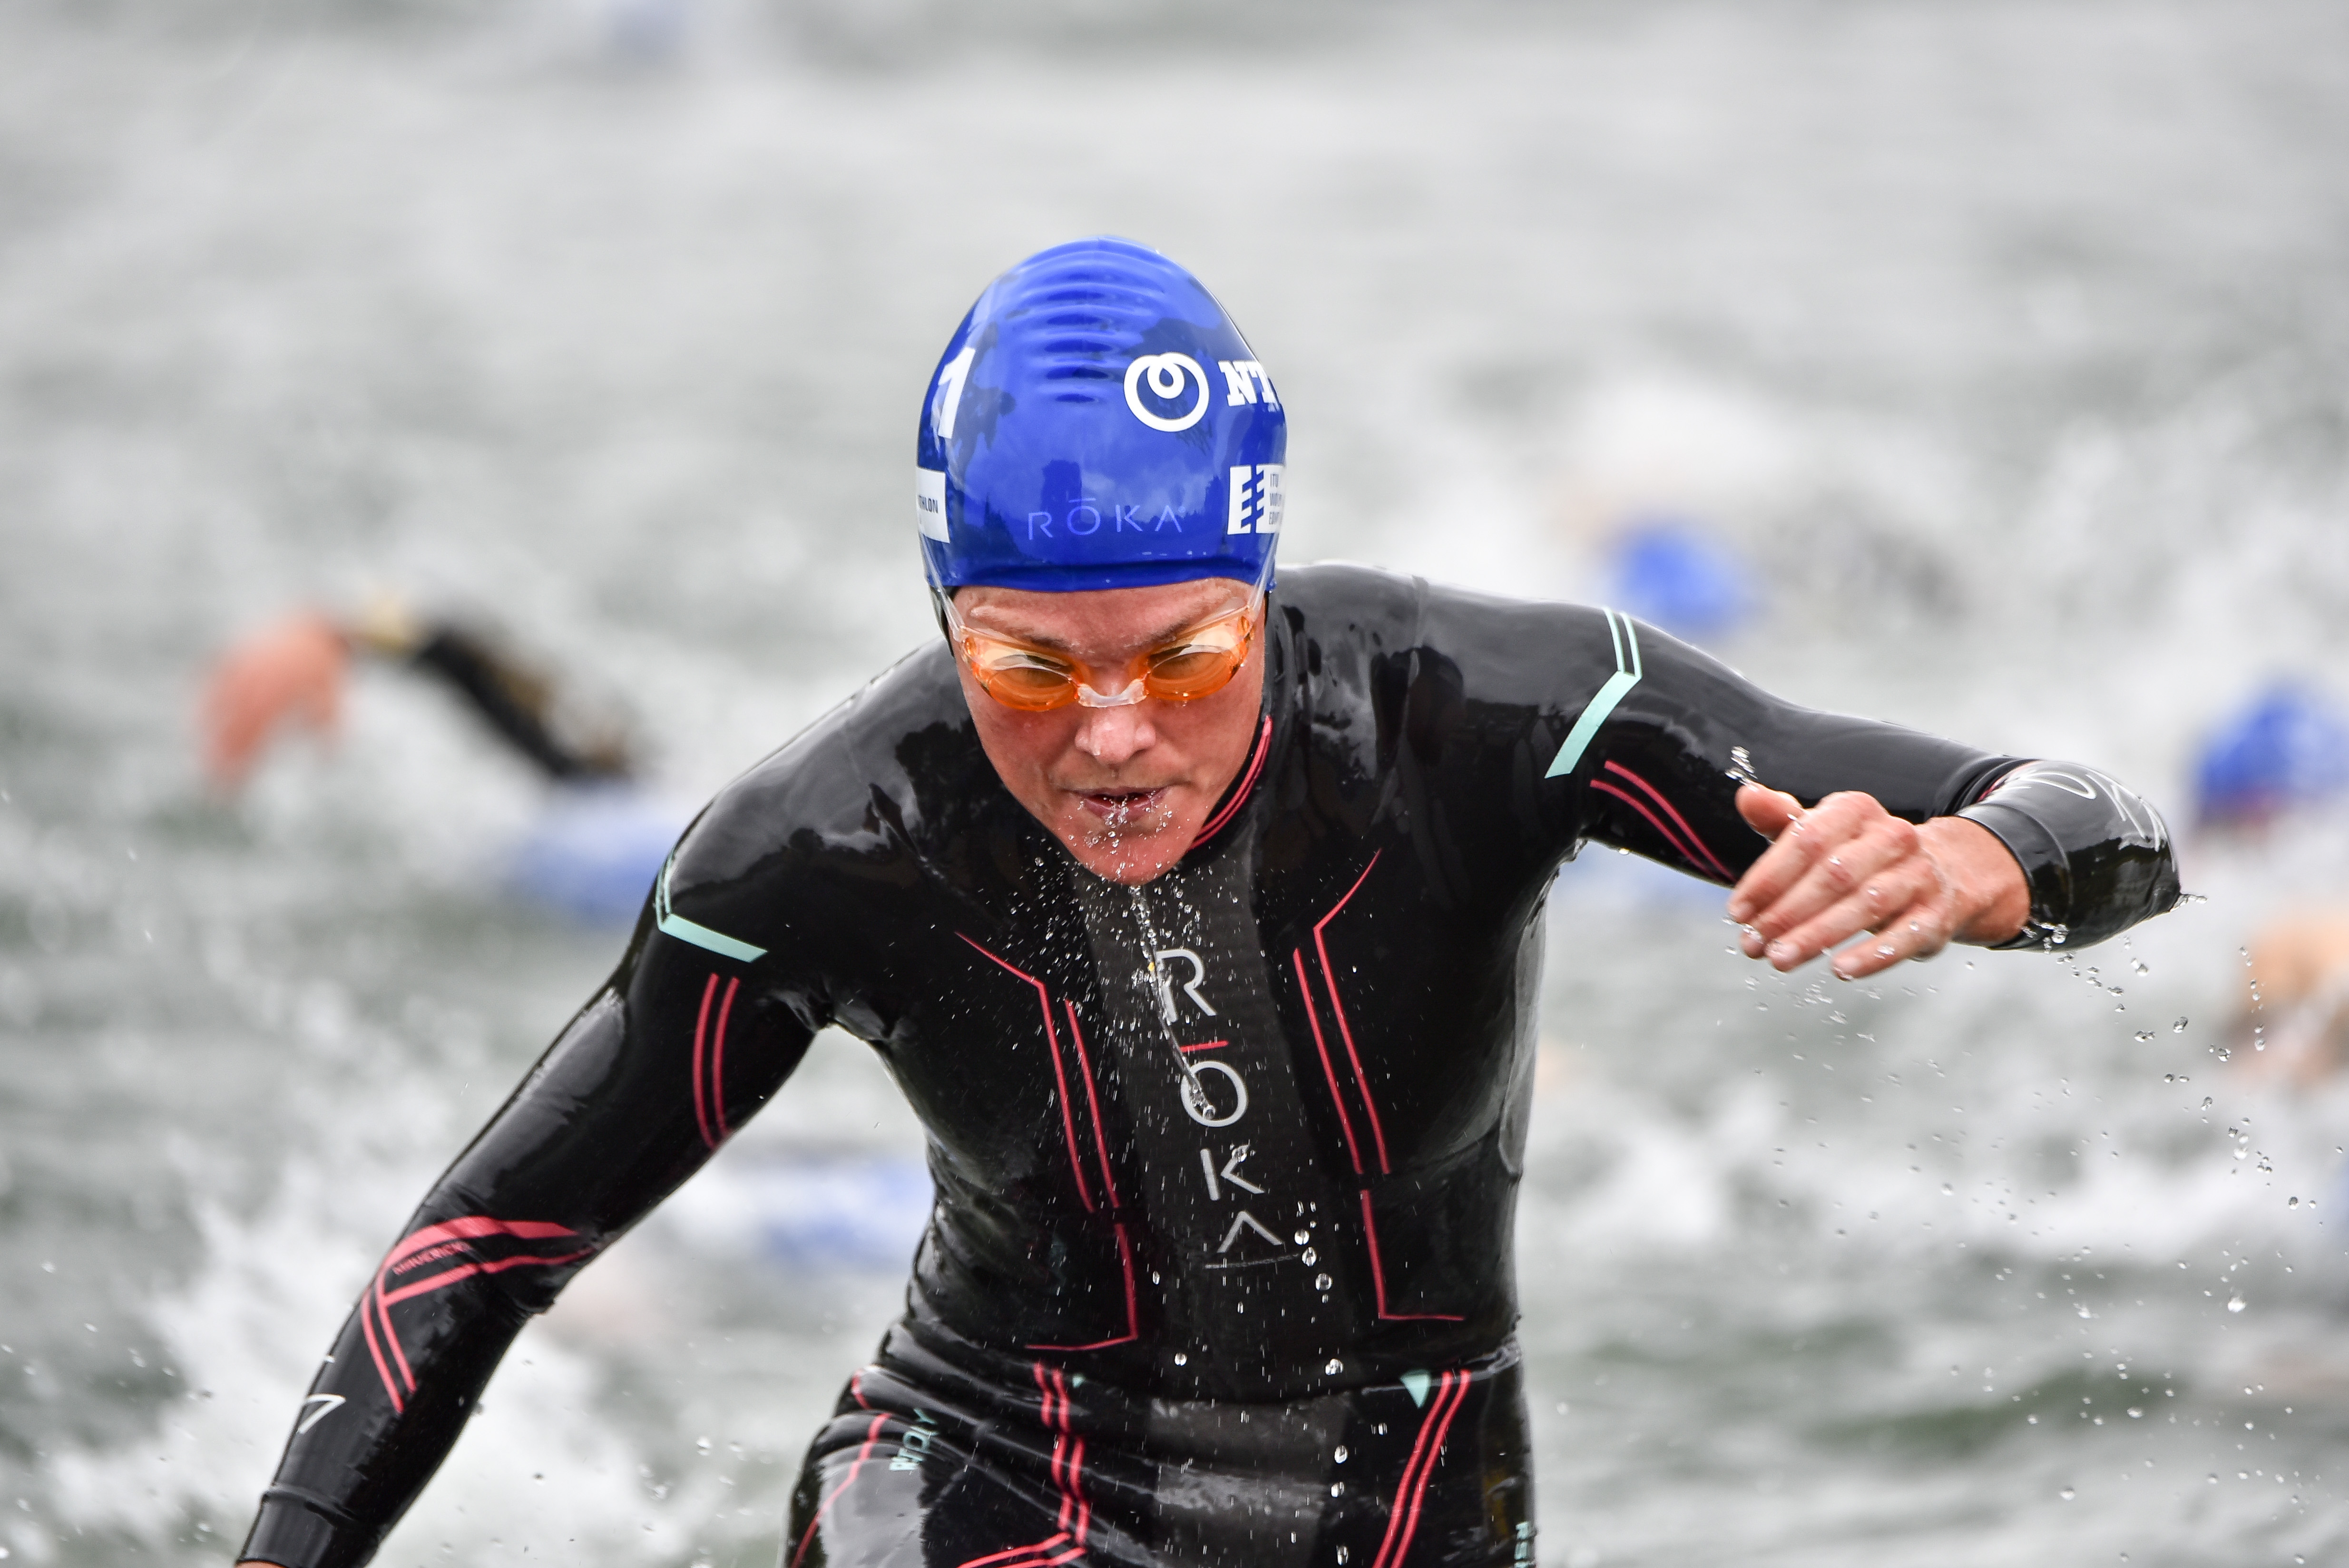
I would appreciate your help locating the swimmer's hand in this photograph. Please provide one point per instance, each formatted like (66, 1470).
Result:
(293, 670)
(1848, 866)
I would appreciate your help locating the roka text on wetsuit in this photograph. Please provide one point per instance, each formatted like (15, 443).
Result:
(1241, 1141)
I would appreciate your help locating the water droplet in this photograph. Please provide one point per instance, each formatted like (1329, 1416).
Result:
(1337, 1489)
(1311, 1257)
(2179, 1027)
(2235, 1303)
(1322, 1281)
(2067, 1494)
(1335, 1366)
(2134, 1412)
(1181, 1359)
(1303, 1236)
(1947, 1190)
(2292, 1203)
(1340, 1455)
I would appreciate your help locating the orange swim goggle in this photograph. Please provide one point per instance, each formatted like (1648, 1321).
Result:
(1197, 661)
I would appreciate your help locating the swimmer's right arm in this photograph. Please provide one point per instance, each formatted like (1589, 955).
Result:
(675, 1052)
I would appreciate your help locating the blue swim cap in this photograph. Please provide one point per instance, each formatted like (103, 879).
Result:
(2288, 747)
(1097, 422)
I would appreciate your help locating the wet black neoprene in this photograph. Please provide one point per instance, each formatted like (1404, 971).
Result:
(1245, 1138)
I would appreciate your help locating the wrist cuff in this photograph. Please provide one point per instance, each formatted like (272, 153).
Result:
(2046, 871)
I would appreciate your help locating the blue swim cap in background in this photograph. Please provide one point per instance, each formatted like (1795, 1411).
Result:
(1097, 422)
(2288, 747)
(1671, 572)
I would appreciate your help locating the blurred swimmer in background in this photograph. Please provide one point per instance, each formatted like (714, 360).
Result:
(594, 849)
(2267, 778)
(292, 673)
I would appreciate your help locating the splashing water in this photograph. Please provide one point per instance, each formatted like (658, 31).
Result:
(524, 312)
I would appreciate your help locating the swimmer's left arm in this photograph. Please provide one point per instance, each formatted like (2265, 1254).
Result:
(1850, 866)
(1917, 840)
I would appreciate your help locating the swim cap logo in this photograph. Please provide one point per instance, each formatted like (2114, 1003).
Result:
(1166, 373)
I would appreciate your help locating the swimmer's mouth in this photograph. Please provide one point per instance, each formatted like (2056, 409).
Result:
(1121, 806)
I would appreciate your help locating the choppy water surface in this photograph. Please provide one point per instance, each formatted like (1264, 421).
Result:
(2007, 343)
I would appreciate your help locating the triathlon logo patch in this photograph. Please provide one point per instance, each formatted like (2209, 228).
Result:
(1260, 497)
(930, 504)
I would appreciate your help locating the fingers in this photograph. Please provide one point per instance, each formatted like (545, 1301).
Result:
(1767, 811)
(1807, 841)
(1872, 865)
(1847, 868)
(1780, 818)
(1900, 913)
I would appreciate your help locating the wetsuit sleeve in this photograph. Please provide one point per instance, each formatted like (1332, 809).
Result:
(1653, 739)
(682, 1044)
(517, 703)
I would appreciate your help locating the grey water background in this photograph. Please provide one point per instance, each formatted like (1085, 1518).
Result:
(2010, 343)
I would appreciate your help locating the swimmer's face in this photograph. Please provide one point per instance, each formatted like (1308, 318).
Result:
(1126, 789)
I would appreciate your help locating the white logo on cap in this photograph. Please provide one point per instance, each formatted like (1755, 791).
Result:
(947, 400)
(1260, 497)
(1166, 372)
(1242, 379)
(930, 504)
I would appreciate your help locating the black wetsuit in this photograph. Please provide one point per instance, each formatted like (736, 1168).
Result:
(1220, 1266)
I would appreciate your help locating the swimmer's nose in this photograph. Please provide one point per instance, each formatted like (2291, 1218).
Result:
(1112, 735)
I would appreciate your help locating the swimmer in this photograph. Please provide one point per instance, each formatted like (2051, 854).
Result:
(292, 673)
(1197, 913)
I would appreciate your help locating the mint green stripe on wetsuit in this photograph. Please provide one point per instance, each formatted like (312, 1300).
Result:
(676, 925)
(1626, 675)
